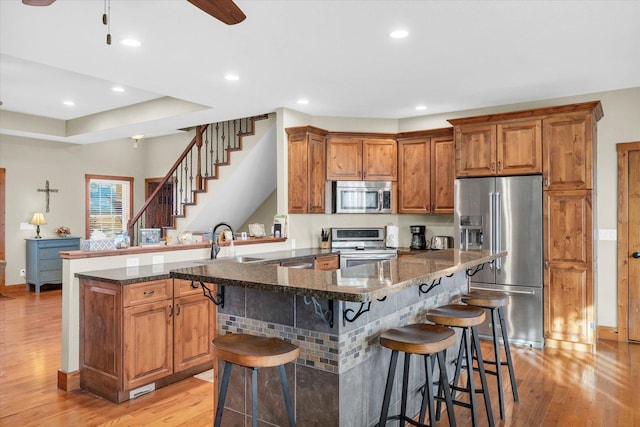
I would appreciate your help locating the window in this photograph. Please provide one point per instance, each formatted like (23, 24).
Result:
(109, 201)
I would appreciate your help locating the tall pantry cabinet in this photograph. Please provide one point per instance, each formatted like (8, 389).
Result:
(560, 143)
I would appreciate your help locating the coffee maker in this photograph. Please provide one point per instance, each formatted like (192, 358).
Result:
(418, 240)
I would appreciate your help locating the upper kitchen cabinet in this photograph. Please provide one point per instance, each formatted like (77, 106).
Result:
(351, 158)
(306, 169)
(426, 171)
(509, 148)
(568, 151)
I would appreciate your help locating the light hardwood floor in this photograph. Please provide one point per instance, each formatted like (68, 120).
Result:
(557, 387)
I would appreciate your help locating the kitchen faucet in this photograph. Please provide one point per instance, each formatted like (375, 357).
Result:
(215, 245)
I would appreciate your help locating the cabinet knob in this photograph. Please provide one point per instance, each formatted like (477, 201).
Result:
(499, 166)
(636, 254)
(149, 293)
(493, 167)
(546, 265)
(546, 181)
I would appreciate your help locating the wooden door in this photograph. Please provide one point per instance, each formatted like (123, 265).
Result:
(2, 222)
(193, 330)
(344, 159)
(414, 159)
(159, 213)
(316, 164)
(475, 150)
(298, 174)
(379, 160)
(568, 260)
(519, 148)
(629, 241)
(568, 152)
(443, 174)
(148, 343)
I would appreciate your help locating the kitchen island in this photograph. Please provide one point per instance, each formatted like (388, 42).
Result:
(335, 317)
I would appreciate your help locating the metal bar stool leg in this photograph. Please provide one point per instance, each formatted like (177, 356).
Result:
(223, 393)
(254, 397)
(483, 377)
(405, 389)
(287, 395)
(507, 350)
(444, 384)
(427, 397)
(468, 335)
(387, 390)
(496, 350)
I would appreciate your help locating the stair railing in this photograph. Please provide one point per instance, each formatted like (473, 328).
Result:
(209, 149)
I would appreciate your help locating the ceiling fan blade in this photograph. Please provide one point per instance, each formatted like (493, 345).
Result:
(37, 2)
(224, 10)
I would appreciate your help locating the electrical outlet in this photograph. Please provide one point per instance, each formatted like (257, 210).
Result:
(22, 272)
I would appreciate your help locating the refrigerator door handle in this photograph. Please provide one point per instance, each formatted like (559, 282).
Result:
(491, 226)
(504, 292)
(498, 221)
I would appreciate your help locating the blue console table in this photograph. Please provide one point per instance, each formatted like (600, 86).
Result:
(44, 265)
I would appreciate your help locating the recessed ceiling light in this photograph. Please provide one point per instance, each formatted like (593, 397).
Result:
(69, 103)
(232, 77)
(117, 89)
(130, 42)
(399, 34)
(302, 101)
(421, 107)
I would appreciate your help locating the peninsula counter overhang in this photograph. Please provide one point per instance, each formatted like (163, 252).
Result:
(361, 283)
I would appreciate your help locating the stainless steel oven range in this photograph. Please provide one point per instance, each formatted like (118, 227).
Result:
(360, 245)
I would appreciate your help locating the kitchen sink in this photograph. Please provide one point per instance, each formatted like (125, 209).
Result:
(240, 259)
(247, 259)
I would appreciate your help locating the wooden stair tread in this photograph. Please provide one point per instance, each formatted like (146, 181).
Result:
(419, 338)
(254, 351)
(457, 315)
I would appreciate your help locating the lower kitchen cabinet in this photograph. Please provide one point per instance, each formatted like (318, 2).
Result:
(329, 262)
(142, 336)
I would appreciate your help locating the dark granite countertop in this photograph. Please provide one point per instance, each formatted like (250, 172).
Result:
(360, 283)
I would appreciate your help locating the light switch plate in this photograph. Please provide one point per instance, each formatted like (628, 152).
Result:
(157, 259)
(607, 235)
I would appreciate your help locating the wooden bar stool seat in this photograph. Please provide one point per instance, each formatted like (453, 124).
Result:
(494, 301)
(467, 318)
(253, 352)
(429, 341)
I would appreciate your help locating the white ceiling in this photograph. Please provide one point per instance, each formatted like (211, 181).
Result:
(337, 54)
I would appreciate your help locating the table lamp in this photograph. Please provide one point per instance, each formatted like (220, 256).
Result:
(38, 219)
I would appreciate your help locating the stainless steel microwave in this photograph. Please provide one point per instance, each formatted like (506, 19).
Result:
(358, 197)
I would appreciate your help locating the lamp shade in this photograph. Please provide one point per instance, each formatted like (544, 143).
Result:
(38, 219)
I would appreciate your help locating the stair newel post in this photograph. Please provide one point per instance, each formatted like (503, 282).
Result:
(199, 181)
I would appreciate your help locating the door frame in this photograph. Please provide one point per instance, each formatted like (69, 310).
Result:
(623, 150)
(3, 185)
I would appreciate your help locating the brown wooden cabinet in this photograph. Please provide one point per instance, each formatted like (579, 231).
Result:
(568, 151)
(566, 136)
(329, 262)
(568, 283)
(140, 334)
(306, 170)
(369, 159)
(508, 148)
(426, 174)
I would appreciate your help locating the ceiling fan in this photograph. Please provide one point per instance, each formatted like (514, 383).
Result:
(223, 10)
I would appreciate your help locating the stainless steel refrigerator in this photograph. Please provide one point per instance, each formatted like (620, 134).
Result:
(505, 213)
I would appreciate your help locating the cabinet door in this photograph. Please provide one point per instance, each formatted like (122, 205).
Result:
(298, 174)
(331, 262)
(344, 159)
(568, 152)
(568, 281)
(148, 343)
(316, 164)
(475, 150)
(443, 174)
(194, 328)
(414, 159)
(519, 148)
(380, 160)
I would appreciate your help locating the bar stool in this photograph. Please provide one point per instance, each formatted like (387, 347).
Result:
(494, 301)
(254, 352)
(467, 318)
(429, 341)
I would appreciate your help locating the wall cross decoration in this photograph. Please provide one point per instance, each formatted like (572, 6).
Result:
(47, 190)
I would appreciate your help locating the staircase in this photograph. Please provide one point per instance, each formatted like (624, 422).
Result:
(200, 162)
